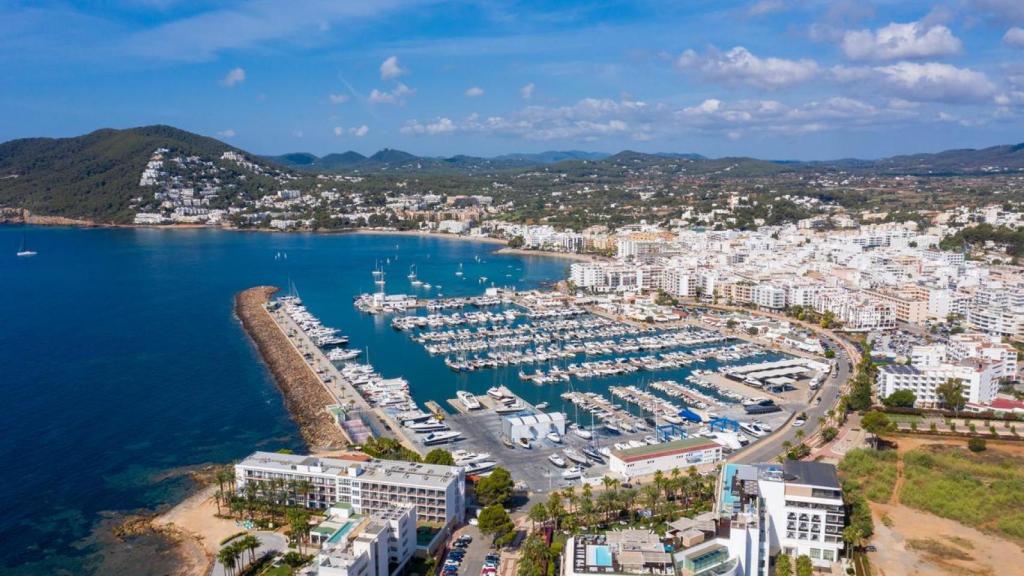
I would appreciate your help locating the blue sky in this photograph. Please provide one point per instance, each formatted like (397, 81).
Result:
(801, 79)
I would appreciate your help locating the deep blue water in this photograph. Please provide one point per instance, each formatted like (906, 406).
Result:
(121, 363)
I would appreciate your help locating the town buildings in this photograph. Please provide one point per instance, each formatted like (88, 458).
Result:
(379, 544)
(370, 487)
(977, 361)
(647, 460)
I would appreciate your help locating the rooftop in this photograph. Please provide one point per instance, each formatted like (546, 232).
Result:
(664, 449)
(811, 474)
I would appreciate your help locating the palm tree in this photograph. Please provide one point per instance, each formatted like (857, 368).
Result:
(800, 435)
(303, 488)
(250, 542)
(227, 558)
(538, 514)
(236, 550)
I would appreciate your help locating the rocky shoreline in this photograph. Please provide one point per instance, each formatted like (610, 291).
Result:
(304, 395)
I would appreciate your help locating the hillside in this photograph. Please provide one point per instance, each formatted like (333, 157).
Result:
(94, 176)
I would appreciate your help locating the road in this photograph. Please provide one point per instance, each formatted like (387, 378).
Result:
(767, 449)
(270, 542)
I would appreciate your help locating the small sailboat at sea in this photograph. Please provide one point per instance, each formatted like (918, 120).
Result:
(459, 271)
(23, 251)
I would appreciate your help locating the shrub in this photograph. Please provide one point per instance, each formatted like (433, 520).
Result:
(976, 444)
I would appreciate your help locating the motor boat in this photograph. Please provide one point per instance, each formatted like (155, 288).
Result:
(468, 400)
(583, 433)
(554, 437)
(573, 473)
(523, 442)
(557, 460)
(440, 437)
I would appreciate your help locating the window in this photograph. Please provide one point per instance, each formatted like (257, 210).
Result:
(815, 553)
(829, 555)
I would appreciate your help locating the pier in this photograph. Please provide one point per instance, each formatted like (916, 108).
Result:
(305, 396)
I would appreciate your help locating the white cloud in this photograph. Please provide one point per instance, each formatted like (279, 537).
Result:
(390, 68)
(936, 82)
(763, 7)
(527, 91)
(1014, 37)
(234, 77)
(474, 92)
(739, 65)
(359, 131)
(439, 126)
(900, 41)
(338, 98)
(229, 133)
(396, 96)
(338, 130)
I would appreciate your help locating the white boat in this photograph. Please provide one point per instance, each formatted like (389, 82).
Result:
(575, 456)
(478, 467)
(612, 428)
(440, 438)
(542, 406)
(431, 425)
(557, 460)
(459, 271)
(554, 437)
(495, 392)
(470, 457)
(468, 400)
(426, 285)
(523, 442)
(510, 408)
(605, 451)
(573, 473)
(23, 251)
(583, 433)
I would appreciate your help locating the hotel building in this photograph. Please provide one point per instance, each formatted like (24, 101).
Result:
(370, 487)
(679, 454)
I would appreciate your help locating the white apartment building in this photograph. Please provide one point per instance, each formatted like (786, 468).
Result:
(996, 320)
(370, 487)
(763, 510)
(978, 377)
(768, 296)
(856, 312)
(985, 347)
(679, 281)
(376, 545)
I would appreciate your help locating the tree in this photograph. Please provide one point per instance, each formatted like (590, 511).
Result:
(494, 522)
(250, 542)
(439, 456)
(226, 556)
(951, 394)
(516, 242)
(804, 566)
(538, 514)
(900, 399)
(783, 566)
(298, 521)
(976, 444)
(830, 353)
(535, 556)
(496, 488)
(876, 424)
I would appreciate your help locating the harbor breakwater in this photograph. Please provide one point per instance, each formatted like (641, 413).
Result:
(304, 395)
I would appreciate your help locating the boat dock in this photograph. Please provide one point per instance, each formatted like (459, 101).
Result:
(659, 408)
(674, 389)
(343, 393)
(613, 417)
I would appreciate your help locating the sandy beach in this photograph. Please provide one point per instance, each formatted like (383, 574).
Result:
(548, 254)
(197, 528)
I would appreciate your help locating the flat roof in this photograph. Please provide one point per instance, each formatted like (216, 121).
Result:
(811, 473)
(395, 471)
(664, 449)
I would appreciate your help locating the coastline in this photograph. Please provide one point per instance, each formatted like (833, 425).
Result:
(304, 395)
(551, 254)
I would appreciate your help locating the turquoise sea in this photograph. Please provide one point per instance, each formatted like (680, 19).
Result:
(122, 365)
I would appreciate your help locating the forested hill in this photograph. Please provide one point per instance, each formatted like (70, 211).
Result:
(94, 176)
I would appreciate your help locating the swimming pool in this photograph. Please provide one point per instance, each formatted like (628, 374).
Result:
(599, 555)
(345, 529)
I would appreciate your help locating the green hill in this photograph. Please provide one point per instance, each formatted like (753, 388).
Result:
(94, 176)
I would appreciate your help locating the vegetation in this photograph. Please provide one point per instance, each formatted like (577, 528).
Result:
(783, 566)
(439, 456)
(389, 449)
(860, 388)
(495, 522)
(238, 554)
(900, 399)
(981, 489)
(1011, 238)
(496, 488)
(951, 394)
(869, 472)
(876, 423)
(976, 444)
(804, 566)
(535, 557)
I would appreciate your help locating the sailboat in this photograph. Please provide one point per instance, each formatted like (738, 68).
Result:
(459, 271)
(23, 251)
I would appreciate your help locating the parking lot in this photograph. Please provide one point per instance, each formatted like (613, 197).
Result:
(474, 553)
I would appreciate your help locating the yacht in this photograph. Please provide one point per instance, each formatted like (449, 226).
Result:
(431, 425)
(593, 455)
(542, 406)
(557, 460)
(468, 400)
(575, 456)
(573, 473)
(510, 408)
(495, 392)
(478, 467)
(340, 355)
(554, 437)
(25, 252)
(440, 438)
(612, 428)
(523, 442)
(583, 433)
